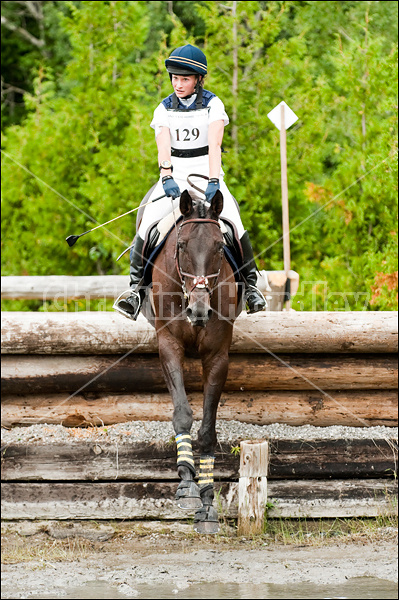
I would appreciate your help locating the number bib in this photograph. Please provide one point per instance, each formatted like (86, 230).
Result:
(188, 129)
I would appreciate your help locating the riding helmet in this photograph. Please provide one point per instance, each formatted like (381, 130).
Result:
(187, 60)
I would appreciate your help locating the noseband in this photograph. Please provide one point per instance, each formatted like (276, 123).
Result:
(199, 281)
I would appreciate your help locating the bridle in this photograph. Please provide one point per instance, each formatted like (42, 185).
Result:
(199, 281)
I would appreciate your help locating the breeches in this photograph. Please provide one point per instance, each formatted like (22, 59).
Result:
(161, 208)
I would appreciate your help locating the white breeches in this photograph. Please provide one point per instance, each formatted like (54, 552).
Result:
(161, 208)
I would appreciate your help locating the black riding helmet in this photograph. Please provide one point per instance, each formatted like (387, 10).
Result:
(187, 60)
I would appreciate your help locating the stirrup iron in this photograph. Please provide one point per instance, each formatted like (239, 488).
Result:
(126, 293)
(251, 289)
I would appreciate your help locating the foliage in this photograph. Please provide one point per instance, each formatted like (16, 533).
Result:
(86, 136)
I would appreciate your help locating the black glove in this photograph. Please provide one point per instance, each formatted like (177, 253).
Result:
(210, 191)
(170, 187)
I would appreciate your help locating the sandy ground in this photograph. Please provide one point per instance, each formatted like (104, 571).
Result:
(42, 560)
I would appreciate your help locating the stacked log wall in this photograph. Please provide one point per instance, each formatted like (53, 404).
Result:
(97, 368)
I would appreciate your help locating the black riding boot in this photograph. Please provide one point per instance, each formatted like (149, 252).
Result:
(253, 297)
(130, 306)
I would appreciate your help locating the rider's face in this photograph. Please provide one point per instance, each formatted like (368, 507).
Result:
(184, 85)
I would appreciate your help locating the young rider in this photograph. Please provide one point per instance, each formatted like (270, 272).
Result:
(189, 126)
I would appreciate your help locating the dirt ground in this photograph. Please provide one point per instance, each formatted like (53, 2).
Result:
(48, 557)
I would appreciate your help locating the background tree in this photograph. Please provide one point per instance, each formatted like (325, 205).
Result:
(84, 132)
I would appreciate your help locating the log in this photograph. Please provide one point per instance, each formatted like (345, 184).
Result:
(111, 333)
(93, 457)
(61, 288)
(258, 372)
(351, 408)
(252, 486)
(153, 500)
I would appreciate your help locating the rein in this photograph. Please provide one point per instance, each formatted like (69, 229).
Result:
(199, 281)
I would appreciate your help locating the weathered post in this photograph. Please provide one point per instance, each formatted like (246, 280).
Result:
(284, 201)
(283, 117)
(252, 486)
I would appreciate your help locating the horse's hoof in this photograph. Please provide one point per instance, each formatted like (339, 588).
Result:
(206, 520)
(206, 527)
(188, 495)
(189, 503)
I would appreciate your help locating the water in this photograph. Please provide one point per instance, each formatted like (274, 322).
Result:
(357, 588)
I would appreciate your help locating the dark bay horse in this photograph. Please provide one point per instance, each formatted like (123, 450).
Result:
(195, 301)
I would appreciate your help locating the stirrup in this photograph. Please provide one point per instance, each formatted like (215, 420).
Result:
(123, 312)
(253, 288)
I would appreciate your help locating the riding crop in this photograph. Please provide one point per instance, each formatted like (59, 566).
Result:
(72, 239)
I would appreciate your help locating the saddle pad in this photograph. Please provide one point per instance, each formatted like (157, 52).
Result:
(165, 225)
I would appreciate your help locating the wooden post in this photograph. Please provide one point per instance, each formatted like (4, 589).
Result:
(252, 487)
(284, 197)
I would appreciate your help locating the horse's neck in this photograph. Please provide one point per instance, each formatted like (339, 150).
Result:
(167, 264)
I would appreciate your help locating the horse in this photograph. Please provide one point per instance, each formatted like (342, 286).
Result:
(195, 300)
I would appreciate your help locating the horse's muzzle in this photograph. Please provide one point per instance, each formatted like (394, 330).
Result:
(199, 314)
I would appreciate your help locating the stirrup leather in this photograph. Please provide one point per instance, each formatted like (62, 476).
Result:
(123, 312)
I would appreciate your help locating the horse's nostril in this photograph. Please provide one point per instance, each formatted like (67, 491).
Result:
(209, 313)
(189, 312)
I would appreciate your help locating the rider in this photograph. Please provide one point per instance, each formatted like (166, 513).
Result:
(189, 126)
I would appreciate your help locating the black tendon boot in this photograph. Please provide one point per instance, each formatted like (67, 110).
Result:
(130, 306)
(253, 297)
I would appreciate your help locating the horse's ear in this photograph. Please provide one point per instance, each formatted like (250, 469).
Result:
(217, 203)
(186, 204)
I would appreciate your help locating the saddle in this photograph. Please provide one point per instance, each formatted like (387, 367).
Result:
(160, 231)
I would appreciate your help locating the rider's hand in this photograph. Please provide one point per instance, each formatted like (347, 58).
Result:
(170, 187)
(210, 191)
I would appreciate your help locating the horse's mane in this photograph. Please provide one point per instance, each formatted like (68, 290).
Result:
(199, 204)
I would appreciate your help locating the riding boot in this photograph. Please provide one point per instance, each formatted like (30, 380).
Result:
(253, 297)
(130, 306)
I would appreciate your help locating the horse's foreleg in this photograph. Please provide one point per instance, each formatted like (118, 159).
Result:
(215, 370)
(171, 355)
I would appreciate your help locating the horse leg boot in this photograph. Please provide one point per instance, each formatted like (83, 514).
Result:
(188, 494)
(253, 297)
(130, 306)
(215, 369)
(206, 518)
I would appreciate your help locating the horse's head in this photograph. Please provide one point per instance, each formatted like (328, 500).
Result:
(199, 254)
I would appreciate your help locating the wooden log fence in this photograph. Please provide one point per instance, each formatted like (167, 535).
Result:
(97, 479)
(87, 369)
(90, 332)
(63, 288)
(95, 458)
(87, 409)
(258, 372)
(154, 500)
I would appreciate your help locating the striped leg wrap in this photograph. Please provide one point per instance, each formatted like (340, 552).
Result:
(185, 451)
(205, 477)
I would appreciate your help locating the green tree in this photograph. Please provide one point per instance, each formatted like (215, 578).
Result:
(30, 36)
(89, 144)
(87, 136)
(346, 129)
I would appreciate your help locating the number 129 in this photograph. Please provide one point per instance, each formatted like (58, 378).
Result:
(186, 132)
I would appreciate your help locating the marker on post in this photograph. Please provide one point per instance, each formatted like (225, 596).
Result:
(283, 117)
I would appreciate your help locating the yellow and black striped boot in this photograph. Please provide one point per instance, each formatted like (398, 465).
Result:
(188, 494)
(206, 518)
